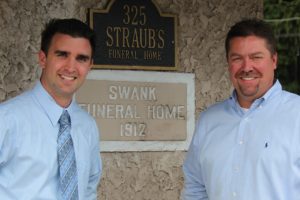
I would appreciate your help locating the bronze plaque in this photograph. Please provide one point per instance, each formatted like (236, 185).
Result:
(134, 34)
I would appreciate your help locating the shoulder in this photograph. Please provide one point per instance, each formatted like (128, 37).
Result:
(210, 116)
(282, 97)
(16, 105)
(14, 113)
(290, 103)
(288, 97)
(216, 109)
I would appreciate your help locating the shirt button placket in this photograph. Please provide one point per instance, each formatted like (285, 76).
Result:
(240, 146)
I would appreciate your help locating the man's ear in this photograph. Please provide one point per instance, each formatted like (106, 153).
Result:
(42, 59)
(275, 60)
(91, 64)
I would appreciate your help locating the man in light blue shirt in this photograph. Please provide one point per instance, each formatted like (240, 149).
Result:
(248, 146)
(29, 122)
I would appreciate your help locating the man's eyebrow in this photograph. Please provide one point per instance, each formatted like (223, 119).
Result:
(60, 52)
(234, 54)
(257, 53)
(254, 53)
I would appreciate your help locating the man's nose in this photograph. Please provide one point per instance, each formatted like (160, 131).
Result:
(247, 65)
(70, 64)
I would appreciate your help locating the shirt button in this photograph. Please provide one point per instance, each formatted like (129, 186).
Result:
(241, 142)
(236, 168)
(234, 194)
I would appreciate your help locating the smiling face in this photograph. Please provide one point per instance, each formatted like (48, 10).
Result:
(65, 66)
(251, 68)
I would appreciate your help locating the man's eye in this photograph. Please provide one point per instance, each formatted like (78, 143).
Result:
(257, 57)
(235, 58)
(83, 58)
(61, 54)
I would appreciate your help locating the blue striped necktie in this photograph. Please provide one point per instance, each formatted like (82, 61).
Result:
(66, 159)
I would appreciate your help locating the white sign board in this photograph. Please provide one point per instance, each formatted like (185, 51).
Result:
(140, 111)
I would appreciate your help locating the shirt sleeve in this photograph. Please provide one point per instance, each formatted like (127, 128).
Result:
(96, 167)
(7, 141)
(194, 187)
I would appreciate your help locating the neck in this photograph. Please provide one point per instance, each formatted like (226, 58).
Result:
(61, 99)
(245, 103)
(63, 102)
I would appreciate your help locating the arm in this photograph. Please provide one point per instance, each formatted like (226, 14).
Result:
(7, 141)
(95, 169)
(194, 186)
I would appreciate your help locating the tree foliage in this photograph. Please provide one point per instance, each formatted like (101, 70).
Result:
(284, 17)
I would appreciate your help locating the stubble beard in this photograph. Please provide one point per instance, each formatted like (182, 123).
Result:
(249, 92)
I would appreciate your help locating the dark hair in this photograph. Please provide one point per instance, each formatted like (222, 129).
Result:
(252, 27)
(72, 27)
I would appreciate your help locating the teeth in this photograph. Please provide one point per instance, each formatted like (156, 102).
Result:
(247, 79)
(68, 77)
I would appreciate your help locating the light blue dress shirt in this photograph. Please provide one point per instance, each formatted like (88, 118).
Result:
(28, 148)
(246, 155)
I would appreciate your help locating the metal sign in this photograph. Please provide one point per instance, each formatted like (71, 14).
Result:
(134, 34)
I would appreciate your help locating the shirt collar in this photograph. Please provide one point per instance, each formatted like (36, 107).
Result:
(274, 90)
(48, 104)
